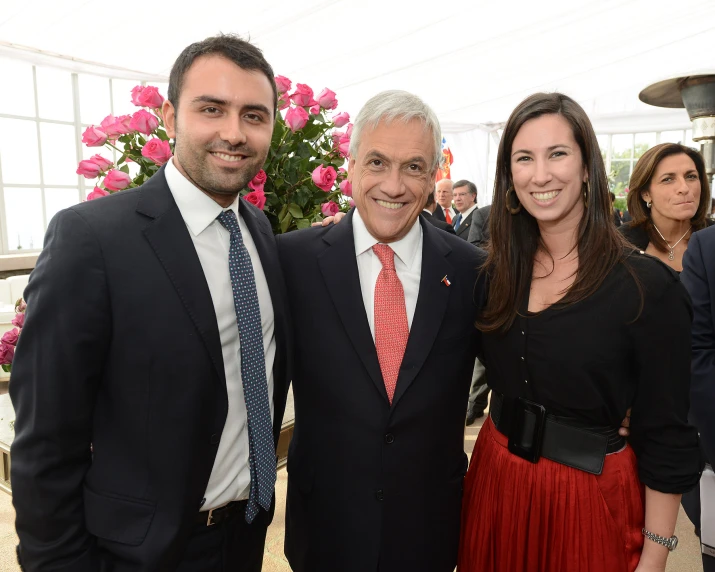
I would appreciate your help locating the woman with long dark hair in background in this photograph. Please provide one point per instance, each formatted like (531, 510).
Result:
(577, 327)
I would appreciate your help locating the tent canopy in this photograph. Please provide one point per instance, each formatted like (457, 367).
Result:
(472, 61)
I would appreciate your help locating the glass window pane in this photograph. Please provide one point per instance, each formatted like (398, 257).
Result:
(689, 140)
(54, 94)
(619, 176)
(603, 144)
(672, 136)
(20, 100)
(622, 146)
(644, 141)
(59, 155)
(122, 97)
(94, 104)
(58, 199)
(19, 157)
(23, 209)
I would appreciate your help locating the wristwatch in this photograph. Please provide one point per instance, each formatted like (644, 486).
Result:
(670, 543)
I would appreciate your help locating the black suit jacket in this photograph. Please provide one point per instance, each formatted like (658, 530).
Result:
(121, 351)
(438, 223)
(439, 213)
(464, 226)
(372, 486)
(479, 228)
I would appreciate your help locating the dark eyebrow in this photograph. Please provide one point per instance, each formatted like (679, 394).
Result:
(375, 155)
(218, 101)
(688, 172)
(527, 152)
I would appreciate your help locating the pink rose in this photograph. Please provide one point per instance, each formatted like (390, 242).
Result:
(7, 353)
(283, 101)
(330, 208)
(157, 150)
(346, 187)
(97, 193)
(326, 99)
(351, 203)
(116, 126)
(94, 137)
(296, 118)
(88, 169)
(324, 177)
(101, 162)
(19, 320)
(20, 305)
(283, 84)
(149, 97)
(341, 119)
(10, 337)
(144, 122)
(117, 180)
(349, 130)
(303, 95)
(257, 198)
(315, 109)
(136, 92)
(344, 145)
(337, 135)
(258, 181)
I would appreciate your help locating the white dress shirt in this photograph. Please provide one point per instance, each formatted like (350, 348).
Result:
(230, 477)
(466, 213)
(408, 265)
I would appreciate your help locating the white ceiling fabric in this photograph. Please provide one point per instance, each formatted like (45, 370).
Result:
(471, 60)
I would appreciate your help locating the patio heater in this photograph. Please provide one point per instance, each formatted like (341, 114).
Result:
(696, 93)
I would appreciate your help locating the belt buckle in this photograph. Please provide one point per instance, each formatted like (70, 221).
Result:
(527, 429)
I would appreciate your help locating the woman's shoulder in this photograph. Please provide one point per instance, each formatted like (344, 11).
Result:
(635, 234)
(647, 273)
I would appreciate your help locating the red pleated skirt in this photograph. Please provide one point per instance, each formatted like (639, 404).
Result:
(519, 516)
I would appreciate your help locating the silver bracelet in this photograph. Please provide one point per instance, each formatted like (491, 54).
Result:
(670, 543)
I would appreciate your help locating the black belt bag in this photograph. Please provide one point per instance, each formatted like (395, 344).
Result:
(533, 434)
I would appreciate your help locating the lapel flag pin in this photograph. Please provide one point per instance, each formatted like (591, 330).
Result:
(446, 281)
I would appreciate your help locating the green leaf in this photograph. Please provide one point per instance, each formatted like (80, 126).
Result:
(302, 223)
(295, 210)
(285, 222)
(124, 169)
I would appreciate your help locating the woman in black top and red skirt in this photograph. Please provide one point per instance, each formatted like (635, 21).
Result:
(577, 327)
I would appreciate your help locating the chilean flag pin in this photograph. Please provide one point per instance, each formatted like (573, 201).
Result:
(446, 281)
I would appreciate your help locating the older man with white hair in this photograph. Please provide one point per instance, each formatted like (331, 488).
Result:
(384, 316)
(443, 195)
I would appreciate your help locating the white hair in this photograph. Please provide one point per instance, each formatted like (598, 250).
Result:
(395, 104)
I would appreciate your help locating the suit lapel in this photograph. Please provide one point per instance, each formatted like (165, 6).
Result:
(338, 265)
(168, 236)
(430, 310)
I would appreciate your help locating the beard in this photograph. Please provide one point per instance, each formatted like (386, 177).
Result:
(217, 179)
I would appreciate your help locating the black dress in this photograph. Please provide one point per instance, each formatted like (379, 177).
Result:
(594, 359)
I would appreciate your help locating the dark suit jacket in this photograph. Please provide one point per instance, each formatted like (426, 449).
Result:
(121, 350)
(464, 226)
(438, 223)
(372, 486)
(479, 229)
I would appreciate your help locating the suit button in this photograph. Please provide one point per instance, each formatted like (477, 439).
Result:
(379, 495)
(389, 438)
(215, 438)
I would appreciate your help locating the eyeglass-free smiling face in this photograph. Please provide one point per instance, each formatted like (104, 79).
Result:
(391, 176)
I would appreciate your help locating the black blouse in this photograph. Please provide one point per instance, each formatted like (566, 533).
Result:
(593, 359)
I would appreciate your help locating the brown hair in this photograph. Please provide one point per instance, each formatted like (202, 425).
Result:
(515, 238)
(641, 179)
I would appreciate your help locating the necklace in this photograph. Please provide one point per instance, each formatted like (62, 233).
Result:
(671, 256)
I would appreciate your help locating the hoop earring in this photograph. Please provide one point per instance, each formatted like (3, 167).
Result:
(648, 204)
(512, 210)
(587, 193)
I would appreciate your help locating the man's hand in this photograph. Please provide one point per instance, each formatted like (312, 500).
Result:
(625, 424)
(326, 221)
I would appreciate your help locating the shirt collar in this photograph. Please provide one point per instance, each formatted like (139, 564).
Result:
(468, 211)
(197, 209)
(405, 248)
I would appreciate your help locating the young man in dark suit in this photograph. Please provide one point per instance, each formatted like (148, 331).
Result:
(385, 345)
(146, 360)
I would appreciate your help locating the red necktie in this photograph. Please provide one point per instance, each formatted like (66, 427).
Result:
(447, 216)
(391, 329)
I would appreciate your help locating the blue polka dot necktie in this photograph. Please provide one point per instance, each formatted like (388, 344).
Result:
(262, 457)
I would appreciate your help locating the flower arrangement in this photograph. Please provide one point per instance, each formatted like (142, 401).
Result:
(8, 342)
(301, 181)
